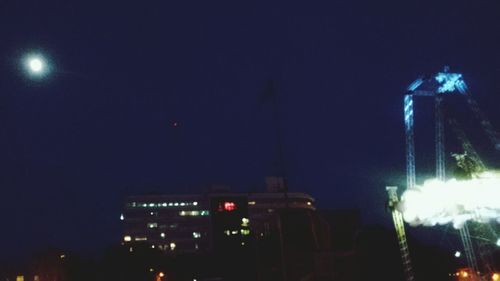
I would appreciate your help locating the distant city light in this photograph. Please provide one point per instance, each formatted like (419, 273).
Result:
(122, 217)
(498, 242)
(172, 246)
(127, 238)
(458, 254)
(162, 235)
(495, 277)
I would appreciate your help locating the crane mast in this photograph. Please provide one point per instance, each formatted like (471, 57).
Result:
(443, 83)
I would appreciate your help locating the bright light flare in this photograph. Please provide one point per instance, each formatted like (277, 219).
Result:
(453, 201)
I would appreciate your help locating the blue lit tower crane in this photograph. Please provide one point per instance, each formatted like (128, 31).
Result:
(437, 86)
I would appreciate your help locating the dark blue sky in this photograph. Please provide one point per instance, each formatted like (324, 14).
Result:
(72, 147)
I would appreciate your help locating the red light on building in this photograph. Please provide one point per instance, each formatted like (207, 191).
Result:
(227, 206)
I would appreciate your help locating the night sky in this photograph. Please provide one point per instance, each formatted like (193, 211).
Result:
(164, 96)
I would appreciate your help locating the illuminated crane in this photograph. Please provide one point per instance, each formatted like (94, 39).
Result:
(437, 86)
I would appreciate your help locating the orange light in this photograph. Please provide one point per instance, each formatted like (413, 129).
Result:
(161, 274)
(495, 277)
(464, 274)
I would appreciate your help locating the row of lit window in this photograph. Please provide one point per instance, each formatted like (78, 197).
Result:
(128, 238)
(162, 204)
(194, 213)
(236, 232)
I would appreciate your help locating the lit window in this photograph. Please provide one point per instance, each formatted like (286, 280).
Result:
(244, 222)
(196, 235)
(251, 202)
(144, 205)
(183, 204)
(172, 246)
(195, 213)
(152, 225)
(20, 278)
(176, 204)
(170, 204)
(245, 231)
(234, 232)
(140, 238)
(164, 204)
(127, 238)
(151, 204)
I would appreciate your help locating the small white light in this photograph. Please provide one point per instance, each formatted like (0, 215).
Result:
(457, 254)
(498, 242)
(122, 217)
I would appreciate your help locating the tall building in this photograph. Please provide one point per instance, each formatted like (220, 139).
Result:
(200, 222)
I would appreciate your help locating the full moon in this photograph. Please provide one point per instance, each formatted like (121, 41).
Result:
(36, 65)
